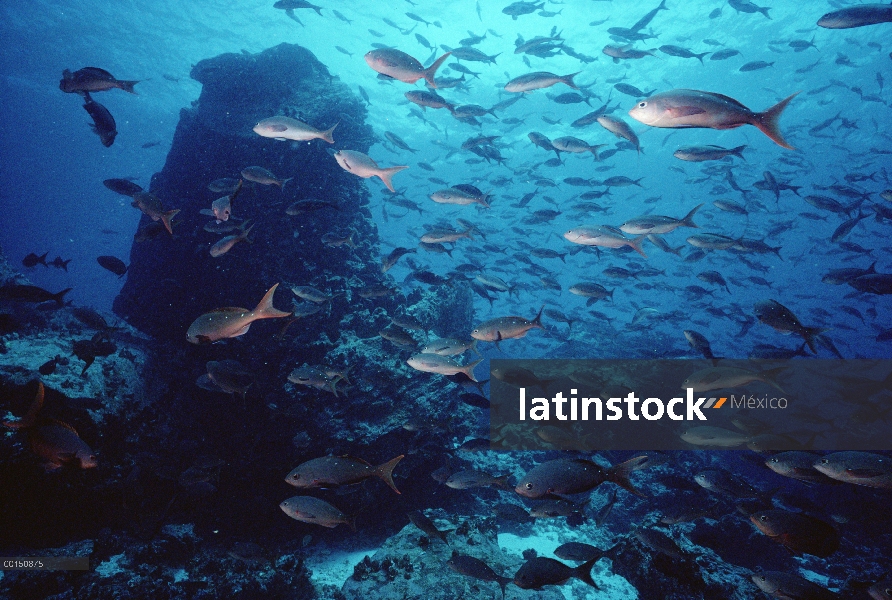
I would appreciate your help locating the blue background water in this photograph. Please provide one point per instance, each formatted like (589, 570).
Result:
(52, 169)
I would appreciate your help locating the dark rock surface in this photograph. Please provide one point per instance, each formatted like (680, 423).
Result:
(173, 279)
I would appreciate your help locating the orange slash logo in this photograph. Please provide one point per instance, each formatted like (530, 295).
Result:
(711, 403)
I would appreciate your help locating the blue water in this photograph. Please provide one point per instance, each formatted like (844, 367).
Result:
(52, 197)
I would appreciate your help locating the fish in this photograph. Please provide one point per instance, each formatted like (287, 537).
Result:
(449, 347)
(859, 468)
(225, 244)
(541, 571)
(707, 435)
(564, 476)
(289, 5)
(225, 185)
(363, 166)
(882, 590)
(398, 141)
(719, 378)
(229, 322)
(659, 542)
(103, 122)
(857, 16)
(790, 586)
(516, 9)
(799, 533)
(263, 177)
(580, 552)
(443, 365)
(604, 237)
(572, 144)
(285, 128)
(619, 128)
(427, 100)
(423, 523)
(400, 66)
(313, 377)
(465, 480)
(31, 293)
(57, 443)
(122, 186)
(336, 471)
(506, 328)
(653, 224)
(699, 343)
(318, 512)
(748, 7)
(150, 205)
(391, 259)
(592, 291)
(476, 568)
(782, 319)
(461, 197)
(693, 108)
(796, 464)
(704, 153)
(32, 260)
(681, 52)
(228, 376)
(113, 264)
(724, 482)
(539, 80)
(92, 79)
(724, 54)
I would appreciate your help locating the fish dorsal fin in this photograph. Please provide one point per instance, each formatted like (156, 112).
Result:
(864, 473)
(96, 71)
(63, 425)
(725, 98)
(356, 460)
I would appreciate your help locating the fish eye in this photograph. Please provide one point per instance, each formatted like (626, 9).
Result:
(529, 486)
(763, 518)
(772, 460)
(642, 104)
(824, 461)
(295, 477)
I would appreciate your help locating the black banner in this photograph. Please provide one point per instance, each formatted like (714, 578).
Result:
(764, 405)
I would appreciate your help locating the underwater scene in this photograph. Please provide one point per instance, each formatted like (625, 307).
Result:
(265, 261)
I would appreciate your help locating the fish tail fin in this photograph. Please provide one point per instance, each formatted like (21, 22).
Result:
(326, 135)
(468, 369)
(568, 80)
(809, 334)
(386, 175)
(768, 122)
(65, 264)
(770, 375)
(385, 471)
(504, 581)
(127, 86)
(42, 259)
(688, 221)
(31, 416)
(166, 217)
(284, 181)
(266, 310)
(502, 481)
(636, 245)
(537, 322)
(429, 72)
(60, 297)
(245, 232)
(584, 572)
(738, 151)
(619, 474)
(483, 201)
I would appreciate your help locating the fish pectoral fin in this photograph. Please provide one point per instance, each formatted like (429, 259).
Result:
(278, 128)
(864, 473)
(242, 331)
(281, 139)
(685, 111)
